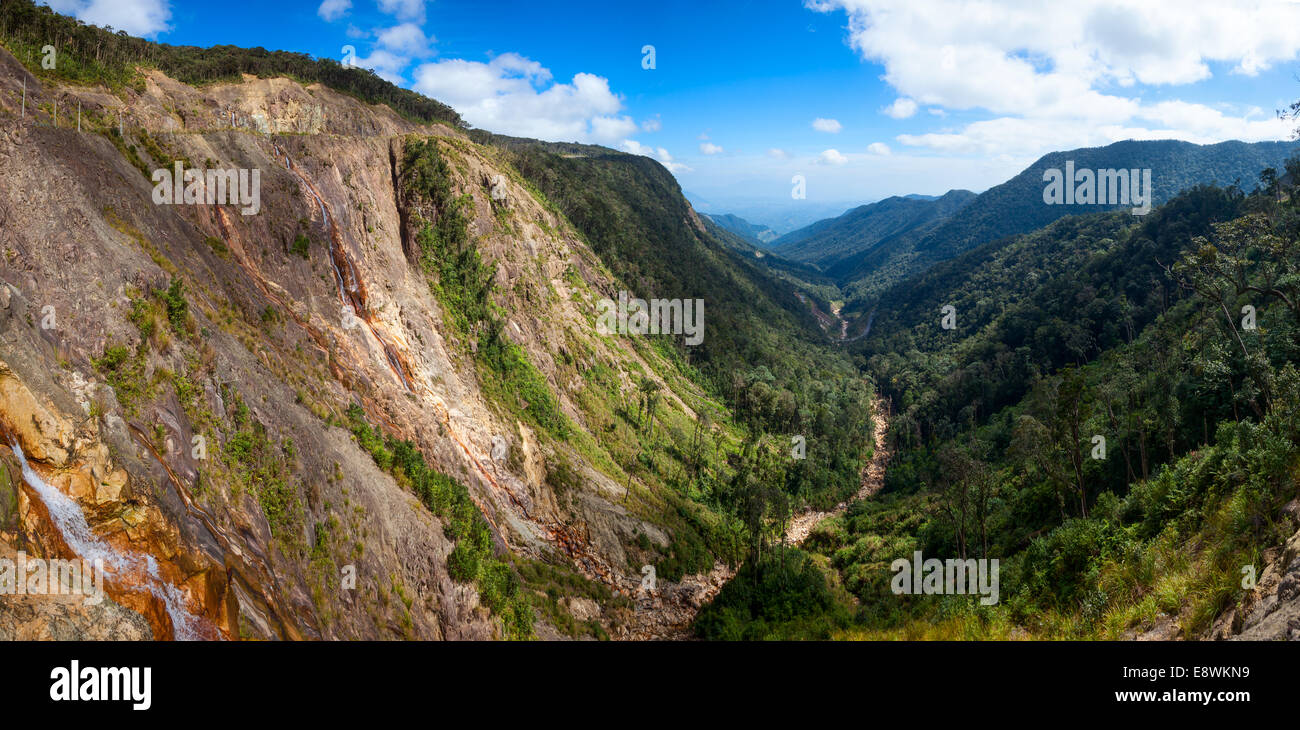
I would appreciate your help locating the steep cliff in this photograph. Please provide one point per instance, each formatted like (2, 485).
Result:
(336, 386)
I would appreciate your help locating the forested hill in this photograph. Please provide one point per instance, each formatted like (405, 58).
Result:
(764, 352)
(1091, 418)
(829, 241)
(754, 233)
(1017, 206)
(90, 54)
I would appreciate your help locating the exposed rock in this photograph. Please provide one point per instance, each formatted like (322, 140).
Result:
(1270, 612)
(267, 333)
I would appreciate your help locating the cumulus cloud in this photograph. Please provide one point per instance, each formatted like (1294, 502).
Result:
(412, 10)
(331, 10)
(709, 148)
(1048, 70)
(879, 148)
(407, 39)
(830, 126)
(514, 95)
(387, 64)
(137, 17)
(831, 157)
(901, 108)
(658, 153)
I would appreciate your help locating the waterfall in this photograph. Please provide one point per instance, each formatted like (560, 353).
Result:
(348, 280)
(132, 571)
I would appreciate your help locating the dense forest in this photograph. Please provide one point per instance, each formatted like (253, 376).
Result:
(1169, 340)
(1016, 207)
(1103, 402)
(802, 409)
(828, 242)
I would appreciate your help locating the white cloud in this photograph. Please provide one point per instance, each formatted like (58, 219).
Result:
(831, 157)
(902, 108)
(331, 10)
(654, 124)
(778, 154)
(658, 153)
(137, 17)
(1034, 137)
(830, 126)
(387, 64)
(1052, 72)
(406, 39)
(404, 9)
(879, 148)
(609, 128)
(709, 148)
(514, 95)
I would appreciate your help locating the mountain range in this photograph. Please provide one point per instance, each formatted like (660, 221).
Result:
(385, 401)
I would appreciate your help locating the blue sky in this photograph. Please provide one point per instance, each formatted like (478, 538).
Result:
(912, 95)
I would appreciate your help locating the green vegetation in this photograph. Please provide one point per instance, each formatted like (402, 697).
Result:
(158, 317)
(1016, 206)
(553, 587)
(463, 285)
(763, 353)
(125, 371)
(828, 242)
(262, 467)
(473, 559)
(782, 597)
(88, 54)
(1104, 325)
(301, 246)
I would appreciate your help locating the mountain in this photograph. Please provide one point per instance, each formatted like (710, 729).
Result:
(1017, 206)
(377, 399)
(400, 387)
(782, 215)
(1085, 407)
(827, 242)
(756, 234)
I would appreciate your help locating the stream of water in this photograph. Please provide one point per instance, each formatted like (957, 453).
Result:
(131, 571)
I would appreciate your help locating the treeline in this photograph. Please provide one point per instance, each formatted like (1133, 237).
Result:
(1016, 207)
(763, 352)
(1112, 418)
(88, 54)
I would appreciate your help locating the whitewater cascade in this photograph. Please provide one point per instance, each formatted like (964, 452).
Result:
(131, 571)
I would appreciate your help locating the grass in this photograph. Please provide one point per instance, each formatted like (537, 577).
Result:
(472, 559)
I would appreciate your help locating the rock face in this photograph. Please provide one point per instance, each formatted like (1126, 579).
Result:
(208, 438)
(1271, 612)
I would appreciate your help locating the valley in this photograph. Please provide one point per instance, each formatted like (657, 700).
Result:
(380, 397)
